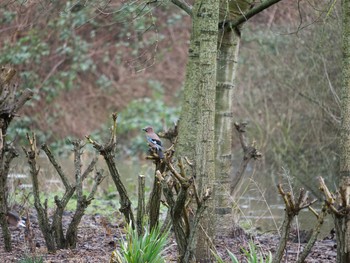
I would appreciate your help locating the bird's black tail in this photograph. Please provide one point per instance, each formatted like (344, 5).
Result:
(160, 153)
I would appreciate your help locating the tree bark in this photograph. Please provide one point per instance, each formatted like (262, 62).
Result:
(187, 126)
(228, 48)
(10, 103)
(107, 151)
(155, 197)
(342, 223)
(206, 23)
(140, 205)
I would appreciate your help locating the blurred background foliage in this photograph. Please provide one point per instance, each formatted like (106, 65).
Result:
(288, 88)
(87, 59)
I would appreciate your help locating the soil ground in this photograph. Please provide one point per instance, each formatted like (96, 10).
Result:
(97, 238)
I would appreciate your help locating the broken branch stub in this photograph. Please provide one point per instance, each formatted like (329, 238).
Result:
(249, 152)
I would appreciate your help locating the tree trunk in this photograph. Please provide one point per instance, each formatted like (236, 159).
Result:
(228, 47)
(187, 126)
(342, 223)
(3, 207)
(206, 23)
(195, 126)
(10, 103)
(228, 50)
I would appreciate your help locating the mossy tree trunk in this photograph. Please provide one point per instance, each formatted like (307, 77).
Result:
(187, 127)
(196, 127)
(342, 223)
(207, 22)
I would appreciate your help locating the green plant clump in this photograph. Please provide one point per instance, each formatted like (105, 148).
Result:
(252, 255)
(147, 248)
(31, 259)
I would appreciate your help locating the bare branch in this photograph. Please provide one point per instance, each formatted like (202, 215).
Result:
(250, 152)
(141, 204)
(97, 181)
(316, 230)
(107, 151)
(57, 166)
(250, 13)
(335, 120)
(89, 168)
(330, 199)
(184, 6)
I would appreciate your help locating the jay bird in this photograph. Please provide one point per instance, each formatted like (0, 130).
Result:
(154, 141)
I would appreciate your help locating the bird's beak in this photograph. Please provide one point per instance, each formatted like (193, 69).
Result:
(144, 129)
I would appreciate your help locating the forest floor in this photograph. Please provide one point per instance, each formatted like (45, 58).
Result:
(97, 238)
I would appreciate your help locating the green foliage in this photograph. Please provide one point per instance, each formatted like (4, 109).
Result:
(231, 255)
(252, 255)
(31, 259)
(27, 49)
(70, 45)
(6, 16)
(147, 248)
(141, 113)
(146, 111)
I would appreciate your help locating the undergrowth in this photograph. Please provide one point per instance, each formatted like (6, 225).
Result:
(141, 249)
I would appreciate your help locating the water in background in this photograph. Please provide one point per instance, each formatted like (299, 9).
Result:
(260, 205)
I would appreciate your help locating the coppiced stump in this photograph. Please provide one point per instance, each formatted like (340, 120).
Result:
(11, 100)
(52, 229)
(107, 150)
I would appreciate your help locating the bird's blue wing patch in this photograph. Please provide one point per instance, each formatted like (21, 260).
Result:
(157, 144)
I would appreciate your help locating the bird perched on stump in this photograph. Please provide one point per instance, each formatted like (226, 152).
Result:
(14, 220)
(154, 141)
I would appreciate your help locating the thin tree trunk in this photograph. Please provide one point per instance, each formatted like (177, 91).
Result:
(231, 12)
(342, 223)
(196, 129)
(10, 103)
(228, 47)
(3, 209)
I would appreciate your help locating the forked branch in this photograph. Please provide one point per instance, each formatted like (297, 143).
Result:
(107, 151)
(293, 205)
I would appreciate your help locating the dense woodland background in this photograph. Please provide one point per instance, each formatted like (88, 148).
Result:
(85, 61)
